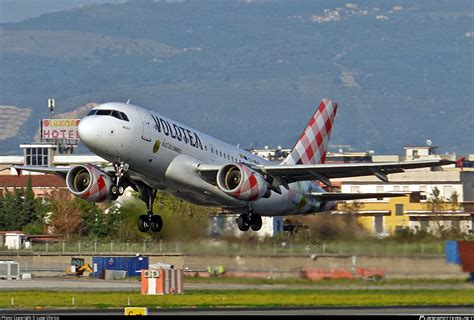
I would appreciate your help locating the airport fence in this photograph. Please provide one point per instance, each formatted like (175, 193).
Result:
(283, 248)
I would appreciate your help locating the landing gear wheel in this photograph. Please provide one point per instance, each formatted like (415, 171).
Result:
(143, 223)
(156, 223)
(256, 222)
(242, 222)
(119, 186)
(149, 221)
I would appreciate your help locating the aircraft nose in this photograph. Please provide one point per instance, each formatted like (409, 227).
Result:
(89, 132)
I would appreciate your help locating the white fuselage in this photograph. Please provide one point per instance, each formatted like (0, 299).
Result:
(165, 155)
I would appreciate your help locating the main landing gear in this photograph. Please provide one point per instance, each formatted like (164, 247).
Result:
(249, 220)
(119, 185)
(149, 221)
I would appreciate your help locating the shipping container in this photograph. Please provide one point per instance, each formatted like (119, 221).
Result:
(452, 252)
(466, 254)
(133, 265)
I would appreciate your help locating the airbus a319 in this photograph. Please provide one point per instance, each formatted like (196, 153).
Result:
(151, 153)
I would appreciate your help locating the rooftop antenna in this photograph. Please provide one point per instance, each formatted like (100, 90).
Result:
(51, 105)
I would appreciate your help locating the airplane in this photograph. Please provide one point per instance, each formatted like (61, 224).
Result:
(151, 152)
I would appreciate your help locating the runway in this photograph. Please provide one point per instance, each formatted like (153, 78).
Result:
(91, 284)
(96, 285)
(424, 310)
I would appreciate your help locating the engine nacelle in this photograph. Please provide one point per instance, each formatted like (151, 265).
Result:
(89, 183)
(241, 182)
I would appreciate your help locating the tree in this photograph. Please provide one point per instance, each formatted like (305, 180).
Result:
(11, 217)
(440, 207)
(454, 201)
(181, 220)
(29, 204)
(66, 217)
(435, 203)
(98, 222)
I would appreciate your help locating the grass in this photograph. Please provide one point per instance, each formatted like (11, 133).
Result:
(237, 298)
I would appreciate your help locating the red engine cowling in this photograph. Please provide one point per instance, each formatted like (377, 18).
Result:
(89, 183)
(241, 182)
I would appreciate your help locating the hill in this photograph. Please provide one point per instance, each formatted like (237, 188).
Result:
(251, 72)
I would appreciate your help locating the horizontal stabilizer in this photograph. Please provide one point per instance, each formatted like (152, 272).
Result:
(335, 196)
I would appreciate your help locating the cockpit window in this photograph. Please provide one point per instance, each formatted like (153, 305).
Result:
(124, 116)
(114, 113)
(103, 112)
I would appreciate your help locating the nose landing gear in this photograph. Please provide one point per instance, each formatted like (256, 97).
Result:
(118, 187)
(149, 221)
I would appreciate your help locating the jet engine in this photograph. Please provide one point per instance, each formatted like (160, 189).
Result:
(241, 182)
(89, 183)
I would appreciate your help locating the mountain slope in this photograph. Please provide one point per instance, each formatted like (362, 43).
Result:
(253, 72)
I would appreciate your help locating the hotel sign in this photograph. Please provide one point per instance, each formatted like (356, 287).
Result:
(60, 129)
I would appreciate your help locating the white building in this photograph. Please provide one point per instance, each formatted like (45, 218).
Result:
(14, 240)
(273, 154)
(447, 182)
(225, 224)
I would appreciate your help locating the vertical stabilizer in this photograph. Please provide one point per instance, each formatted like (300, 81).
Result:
(313, 143)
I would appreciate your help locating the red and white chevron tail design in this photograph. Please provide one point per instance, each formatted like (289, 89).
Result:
(312, 145)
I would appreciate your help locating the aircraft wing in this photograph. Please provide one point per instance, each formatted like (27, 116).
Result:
(336, 196)
(324, 172)
(284, 174)
(62, 171)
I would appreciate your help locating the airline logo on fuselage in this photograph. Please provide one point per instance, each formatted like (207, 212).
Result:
(177, 132)
(156, 146)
